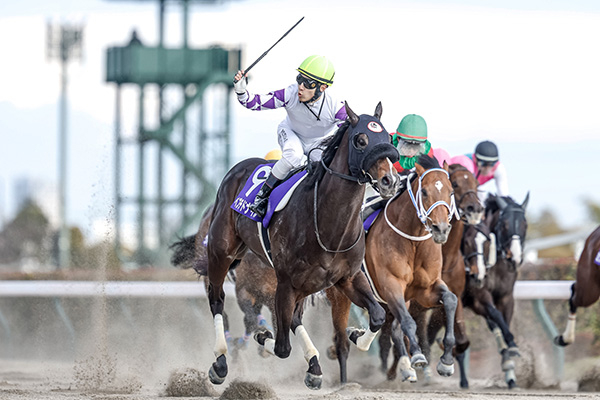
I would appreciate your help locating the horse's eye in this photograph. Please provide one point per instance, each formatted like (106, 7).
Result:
(361, 141)
(424, 192)
(454, 185)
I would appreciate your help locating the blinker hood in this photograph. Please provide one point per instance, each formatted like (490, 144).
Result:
(360, 161)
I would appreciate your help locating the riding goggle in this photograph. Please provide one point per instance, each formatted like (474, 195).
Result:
(408, 148)
(307, 82)
(482, 164)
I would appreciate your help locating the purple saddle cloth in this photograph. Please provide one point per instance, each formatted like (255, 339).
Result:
(253, 185)
(370, 219)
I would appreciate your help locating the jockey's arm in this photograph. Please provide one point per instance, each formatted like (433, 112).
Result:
(258, 102)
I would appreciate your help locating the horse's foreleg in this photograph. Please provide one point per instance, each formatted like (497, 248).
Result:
(314, 375)
(401, 357)
(462, 340)
(426, 331)
(340, 311)
(216, 298)
(568, 335)
(439, 293)
(409, 327)
(385, 341)
(357, 289)
(284, 308)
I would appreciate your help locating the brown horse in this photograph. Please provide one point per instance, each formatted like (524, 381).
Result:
(317, 241)
(585, 291)
(407, 266)
(453, 273)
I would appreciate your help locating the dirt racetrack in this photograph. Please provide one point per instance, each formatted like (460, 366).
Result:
(133, 348)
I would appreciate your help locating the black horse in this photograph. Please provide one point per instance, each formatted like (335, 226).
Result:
(506, 225)
(317, 241)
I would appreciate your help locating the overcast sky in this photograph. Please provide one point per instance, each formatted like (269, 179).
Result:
(524, 74)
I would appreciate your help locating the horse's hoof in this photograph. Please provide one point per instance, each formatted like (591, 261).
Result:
(559, 341)
(391, 375)
(312, 381)
(445, 369)
(261, 335)
(331, 353)
(218, 371)
(409, 375)
(513, 352)
(464, 385)
(512, 384)
(418, 361)
(354, 334)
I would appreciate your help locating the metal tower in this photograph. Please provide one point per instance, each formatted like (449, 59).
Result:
(183, 157)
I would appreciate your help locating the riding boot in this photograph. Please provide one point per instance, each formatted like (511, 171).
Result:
(259, 206)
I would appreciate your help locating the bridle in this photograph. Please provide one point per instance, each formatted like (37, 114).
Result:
(422, 213)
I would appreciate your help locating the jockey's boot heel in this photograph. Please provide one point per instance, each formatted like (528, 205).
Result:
(259, 207)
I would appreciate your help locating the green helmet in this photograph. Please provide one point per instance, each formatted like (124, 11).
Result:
(318, 68)
(413, 128)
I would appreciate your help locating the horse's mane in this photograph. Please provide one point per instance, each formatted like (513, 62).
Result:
(331, 145)
(491, 205)
(428, 162)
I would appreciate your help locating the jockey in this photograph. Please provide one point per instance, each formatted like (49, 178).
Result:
(411, 140)
(485, 165)
(312, 114)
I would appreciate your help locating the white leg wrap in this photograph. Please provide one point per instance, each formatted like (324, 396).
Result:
(404, 363)
(364, 342)
(499, 339)
(510, 375)
(569, 335)
(270, 346)
(307, 345)
(220, 341)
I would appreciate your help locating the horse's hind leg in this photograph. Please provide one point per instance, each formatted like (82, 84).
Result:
(398, 308)
(359, 292)
(340, 311)
(578, 299)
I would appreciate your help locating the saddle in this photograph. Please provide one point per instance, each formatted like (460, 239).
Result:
(279, 197)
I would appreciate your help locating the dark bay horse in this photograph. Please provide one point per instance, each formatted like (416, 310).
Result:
(585, 291)
(403, 265)
(453, 269)
(507, 226)
(317, 241)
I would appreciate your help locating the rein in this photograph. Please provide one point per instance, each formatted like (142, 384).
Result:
(422, 214)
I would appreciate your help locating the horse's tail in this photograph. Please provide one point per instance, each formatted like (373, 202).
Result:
(185, 256)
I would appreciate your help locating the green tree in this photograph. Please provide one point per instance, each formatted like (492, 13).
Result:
(27, 233)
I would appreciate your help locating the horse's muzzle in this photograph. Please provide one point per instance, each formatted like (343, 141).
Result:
(388, 184)
(440, 232)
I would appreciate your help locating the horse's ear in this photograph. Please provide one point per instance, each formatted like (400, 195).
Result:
(378, 111)
(446, 166)
(502, 204)
(524, 205)
(420, 170)
(353, 117)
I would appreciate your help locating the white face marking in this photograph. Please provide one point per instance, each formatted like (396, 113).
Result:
(480, 240)
(391, 169)
(439, 185)
(466, 176)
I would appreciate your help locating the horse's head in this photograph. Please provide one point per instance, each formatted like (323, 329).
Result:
(371, 155)
(477, 251)
(508, 223)
(433, 189)
(465, 186)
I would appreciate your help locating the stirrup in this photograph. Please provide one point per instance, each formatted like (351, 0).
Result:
(259, 207)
